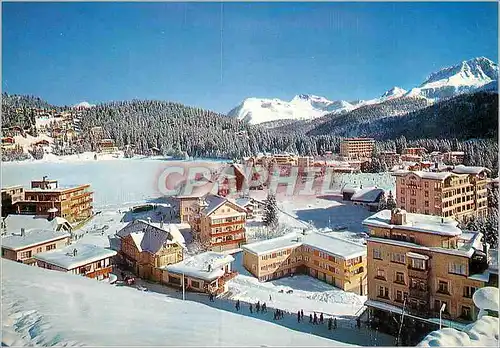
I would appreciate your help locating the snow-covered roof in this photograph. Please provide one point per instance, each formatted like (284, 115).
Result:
(461, 169)
(320, 241)
(275, 244)
(151, 237)
(465, 250)
(197, 266)
(424, 175)
(85, 254)
(367, 195)
(31, 238)
(14, 223)
(416, 222)
(213, 202)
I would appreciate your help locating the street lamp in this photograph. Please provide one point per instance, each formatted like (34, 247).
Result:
(443, 306)
(183, 288)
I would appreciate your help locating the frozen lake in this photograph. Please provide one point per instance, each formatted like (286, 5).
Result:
(124, 181)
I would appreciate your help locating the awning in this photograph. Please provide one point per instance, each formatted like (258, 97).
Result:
(383, 306)
(417, 256)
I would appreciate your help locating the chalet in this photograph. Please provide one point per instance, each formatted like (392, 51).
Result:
(86, 260)
(146, 246)
(10, 196)
(206, 272)
(187, 199)
(454, 157)
(107, 146)
(253, 206)
(219, 223)
(23, 245)
(369, 197)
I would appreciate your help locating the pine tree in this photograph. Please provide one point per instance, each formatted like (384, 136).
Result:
(382, 204)
(391, 203)
(271, 212)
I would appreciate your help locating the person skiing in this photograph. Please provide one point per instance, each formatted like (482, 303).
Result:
(335, 323)
(257, 307)
(251, 309)
(238, 305)
(315, 320)
(264, 308)
(302, 314)
(358, 323)
(275, 315)
(298, 316)
(310, 318)
(330, 324)
(321, 318)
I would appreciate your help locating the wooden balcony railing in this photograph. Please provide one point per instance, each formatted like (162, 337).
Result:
(232, 241)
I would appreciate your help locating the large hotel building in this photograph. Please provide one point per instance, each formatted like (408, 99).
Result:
(357, 147)
(421, 264)
(45, 197)
(335, 261)
(459, 193)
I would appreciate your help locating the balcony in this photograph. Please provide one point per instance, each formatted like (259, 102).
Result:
(232, 241)
(418, 273)
(227, 223)
(220, 234)
(419, 293)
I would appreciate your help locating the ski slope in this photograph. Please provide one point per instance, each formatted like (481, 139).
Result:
(42, 307)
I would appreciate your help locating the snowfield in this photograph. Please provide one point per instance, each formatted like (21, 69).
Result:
(38, 304)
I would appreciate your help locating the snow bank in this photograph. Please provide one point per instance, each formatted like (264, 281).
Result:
(42, 307)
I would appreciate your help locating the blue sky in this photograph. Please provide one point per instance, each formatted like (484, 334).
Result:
(214, 55)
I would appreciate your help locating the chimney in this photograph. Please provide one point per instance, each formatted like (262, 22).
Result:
(398, 217)
(22, 232)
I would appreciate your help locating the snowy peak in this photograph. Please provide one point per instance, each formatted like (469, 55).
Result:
(83, 105)
(465, 77)
(301, 107)
(394, 92)
(475, 70)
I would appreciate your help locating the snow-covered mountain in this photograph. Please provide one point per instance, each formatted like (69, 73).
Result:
(466, 77)
(477, 74)
(83, 105)
(301, 107)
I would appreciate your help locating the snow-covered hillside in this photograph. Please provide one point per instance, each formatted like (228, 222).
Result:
(468, 76)
(477, 74)
(301, 107)
(42, 307)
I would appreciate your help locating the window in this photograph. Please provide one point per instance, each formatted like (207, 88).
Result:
(397, 257)
(254, 267)
(306, 258)
(377, 254)
(380, 274)
(331, 269)
(195, 284)
(174, 280)
(26, 254)
(412, 201)
(426, 204)
(50, 247)
(383, 292)
(417, 264)
(426, 184)
(438, 304)
(400, 278)
(402, 199)
(332, 259)
(469, 291)
(443, 287)
(39, 250)
(457, 268)
(466, 313)
(399, 296)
